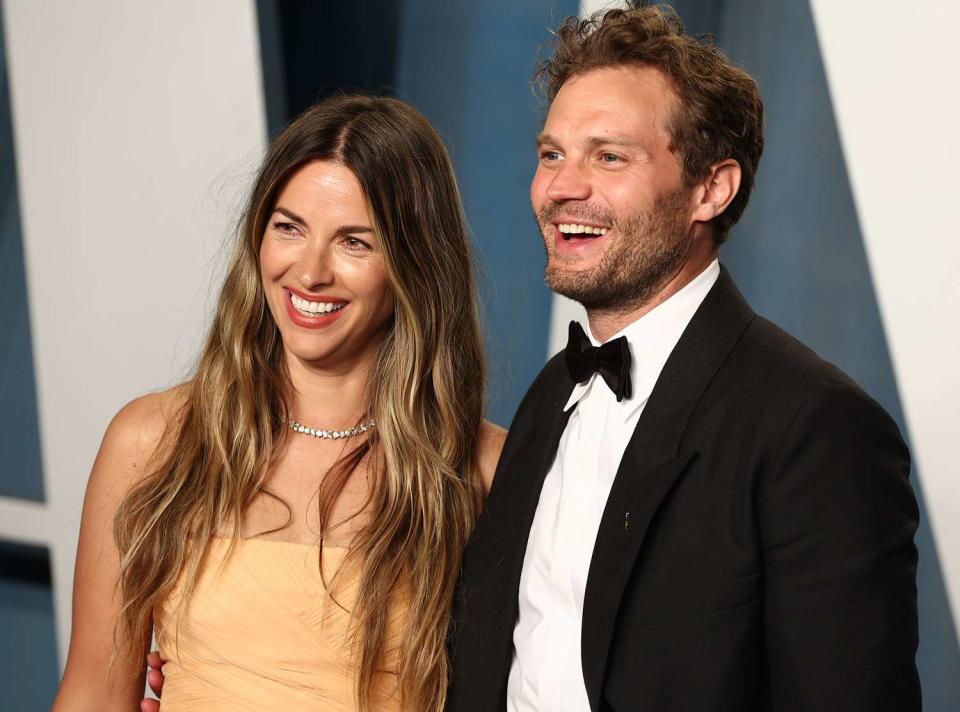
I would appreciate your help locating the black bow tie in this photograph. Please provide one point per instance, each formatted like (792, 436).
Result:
(611, 361)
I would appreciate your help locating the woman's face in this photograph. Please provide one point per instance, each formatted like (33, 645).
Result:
(322, 268)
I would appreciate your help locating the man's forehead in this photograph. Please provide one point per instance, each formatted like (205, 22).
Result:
(591, 127)
(615, 101)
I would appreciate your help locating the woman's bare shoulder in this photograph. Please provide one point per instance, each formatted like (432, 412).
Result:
(489, 446)
(142, 422)
(136, 431)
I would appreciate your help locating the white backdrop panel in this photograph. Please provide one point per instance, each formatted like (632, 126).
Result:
(892, 76)
(135, 126)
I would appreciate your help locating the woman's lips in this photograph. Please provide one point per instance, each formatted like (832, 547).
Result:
(314, 321)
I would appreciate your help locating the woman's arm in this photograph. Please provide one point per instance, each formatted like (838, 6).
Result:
(489, 446)
(88, 684)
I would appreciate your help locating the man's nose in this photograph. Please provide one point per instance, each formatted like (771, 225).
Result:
(315, 266)
(570, 182)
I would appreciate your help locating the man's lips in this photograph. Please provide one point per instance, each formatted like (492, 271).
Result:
(579, 242)
(572, 227)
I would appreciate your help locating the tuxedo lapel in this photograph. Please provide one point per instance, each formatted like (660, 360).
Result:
(493, 561)
(652, 463)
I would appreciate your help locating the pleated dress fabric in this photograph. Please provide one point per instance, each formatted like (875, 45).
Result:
(261, 631)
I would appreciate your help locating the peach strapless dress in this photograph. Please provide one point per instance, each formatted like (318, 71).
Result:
(260, 632)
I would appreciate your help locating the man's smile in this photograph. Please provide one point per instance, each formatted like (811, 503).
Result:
(569, 230)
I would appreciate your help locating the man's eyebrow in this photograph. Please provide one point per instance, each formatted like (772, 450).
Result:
(595, 141)
(592, 141)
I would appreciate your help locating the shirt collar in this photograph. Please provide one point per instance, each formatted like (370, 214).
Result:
(652, 339)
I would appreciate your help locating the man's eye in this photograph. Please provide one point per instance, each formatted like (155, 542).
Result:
(609, 157)
(549, 155)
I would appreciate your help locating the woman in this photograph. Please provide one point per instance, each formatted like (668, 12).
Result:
(292, 518)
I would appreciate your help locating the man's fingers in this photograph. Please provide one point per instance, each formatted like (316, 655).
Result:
(154, 660)
(149, 706)
(155, 680)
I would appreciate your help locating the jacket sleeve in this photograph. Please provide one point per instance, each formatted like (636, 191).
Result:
(837, 517)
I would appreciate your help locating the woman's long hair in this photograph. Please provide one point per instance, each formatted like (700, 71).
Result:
(427, 398)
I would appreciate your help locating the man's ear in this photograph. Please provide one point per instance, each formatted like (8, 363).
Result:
(716, 190)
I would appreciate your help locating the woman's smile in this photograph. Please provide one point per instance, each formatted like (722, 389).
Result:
(313, 312)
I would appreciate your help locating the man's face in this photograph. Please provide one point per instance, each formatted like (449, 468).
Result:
(608, 192)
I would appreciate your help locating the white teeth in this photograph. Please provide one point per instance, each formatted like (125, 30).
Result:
(577, 228)
(310, 308)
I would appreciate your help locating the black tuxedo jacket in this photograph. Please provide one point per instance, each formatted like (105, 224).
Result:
(756, 551)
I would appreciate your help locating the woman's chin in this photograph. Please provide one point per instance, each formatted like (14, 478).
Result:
(324, 356)
(313, 356)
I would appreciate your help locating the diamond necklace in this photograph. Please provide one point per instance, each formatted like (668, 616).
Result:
(298, 427)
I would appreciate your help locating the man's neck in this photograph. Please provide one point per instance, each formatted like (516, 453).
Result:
(604, 323)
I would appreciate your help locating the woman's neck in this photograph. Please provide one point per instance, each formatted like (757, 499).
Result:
(329, 397)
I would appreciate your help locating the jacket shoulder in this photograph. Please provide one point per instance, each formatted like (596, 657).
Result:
(778, 373)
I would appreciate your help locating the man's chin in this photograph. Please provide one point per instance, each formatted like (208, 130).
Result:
(574, 267)
(578, 285)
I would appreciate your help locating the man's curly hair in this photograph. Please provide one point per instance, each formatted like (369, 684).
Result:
(719, 114)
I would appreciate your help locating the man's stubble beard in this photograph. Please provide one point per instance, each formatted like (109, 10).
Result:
(651, 248)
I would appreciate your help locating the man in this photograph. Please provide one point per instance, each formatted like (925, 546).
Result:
(700, 514)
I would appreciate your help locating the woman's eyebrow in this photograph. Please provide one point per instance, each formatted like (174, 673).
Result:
(290, 214)
(341, 230)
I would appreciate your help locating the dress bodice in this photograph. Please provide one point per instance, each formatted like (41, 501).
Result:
(262, 631)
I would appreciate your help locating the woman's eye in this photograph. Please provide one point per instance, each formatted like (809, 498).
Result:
(286, 228)
(355, 243)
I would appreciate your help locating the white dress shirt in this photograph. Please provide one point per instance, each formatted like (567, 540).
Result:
(546, 674)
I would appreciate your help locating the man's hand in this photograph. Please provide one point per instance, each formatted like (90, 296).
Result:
(155, 680)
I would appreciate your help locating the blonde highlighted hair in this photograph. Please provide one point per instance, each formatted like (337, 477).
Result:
(427, 397)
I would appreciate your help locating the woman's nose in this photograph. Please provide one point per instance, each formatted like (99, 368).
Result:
(315, 268)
